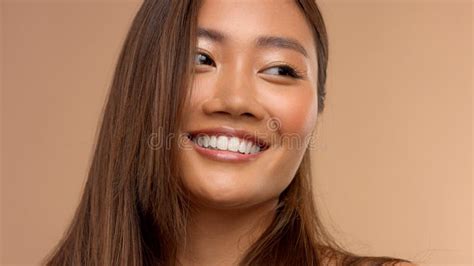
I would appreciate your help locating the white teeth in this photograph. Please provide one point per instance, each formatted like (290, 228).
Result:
(206, 140)
(213, 142)
(222, 142)
(242, 146)
(253, 149)
(249, 146)
(200, 141)
(234, 144)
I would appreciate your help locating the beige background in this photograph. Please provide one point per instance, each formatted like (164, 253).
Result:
(394, 161)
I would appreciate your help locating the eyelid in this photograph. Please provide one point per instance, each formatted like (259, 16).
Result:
(201, 50)
(300, 74)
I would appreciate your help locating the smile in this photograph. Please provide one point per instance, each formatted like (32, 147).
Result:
(227, 146)
(225, 143)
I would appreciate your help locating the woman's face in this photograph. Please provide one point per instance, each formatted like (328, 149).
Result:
(256, 75)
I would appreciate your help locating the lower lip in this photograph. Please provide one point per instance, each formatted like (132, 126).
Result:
(227, 156)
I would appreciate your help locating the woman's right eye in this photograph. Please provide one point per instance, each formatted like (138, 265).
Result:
(203, 59)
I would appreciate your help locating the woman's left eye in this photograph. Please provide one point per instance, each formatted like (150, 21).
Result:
(283, 70)
(203, 59)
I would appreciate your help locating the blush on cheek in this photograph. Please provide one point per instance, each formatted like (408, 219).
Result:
(297, 114)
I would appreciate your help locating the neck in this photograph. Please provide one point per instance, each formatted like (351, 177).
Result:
(221, 237)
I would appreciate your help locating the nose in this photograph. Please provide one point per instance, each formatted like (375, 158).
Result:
(235, 96)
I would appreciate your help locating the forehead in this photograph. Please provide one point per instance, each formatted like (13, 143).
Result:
(244, 20)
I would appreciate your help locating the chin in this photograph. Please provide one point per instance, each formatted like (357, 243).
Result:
(224, 193)
(220, 196)
(222, 202)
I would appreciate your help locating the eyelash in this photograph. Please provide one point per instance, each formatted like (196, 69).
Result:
(292, 71)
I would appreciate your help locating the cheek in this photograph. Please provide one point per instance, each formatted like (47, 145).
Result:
(196, 94)
(203, 88)
(296, 111)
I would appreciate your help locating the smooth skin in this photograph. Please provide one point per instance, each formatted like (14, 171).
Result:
(241, 84)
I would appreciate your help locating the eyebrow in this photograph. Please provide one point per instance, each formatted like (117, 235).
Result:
(261, 41)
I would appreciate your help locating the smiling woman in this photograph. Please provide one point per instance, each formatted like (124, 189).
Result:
(236, 88)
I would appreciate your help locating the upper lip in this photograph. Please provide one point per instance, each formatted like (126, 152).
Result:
(232, 132)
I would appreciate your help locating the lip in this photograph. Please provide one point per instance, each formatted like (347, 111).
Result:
(228, 156)
(232, 132)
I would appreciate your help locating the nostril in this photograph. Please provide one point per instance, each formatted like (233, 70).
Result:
(222, 112)
(247, 114)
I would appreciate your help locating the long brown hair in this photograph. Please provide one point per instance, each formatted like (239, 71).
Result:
(133, 209)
